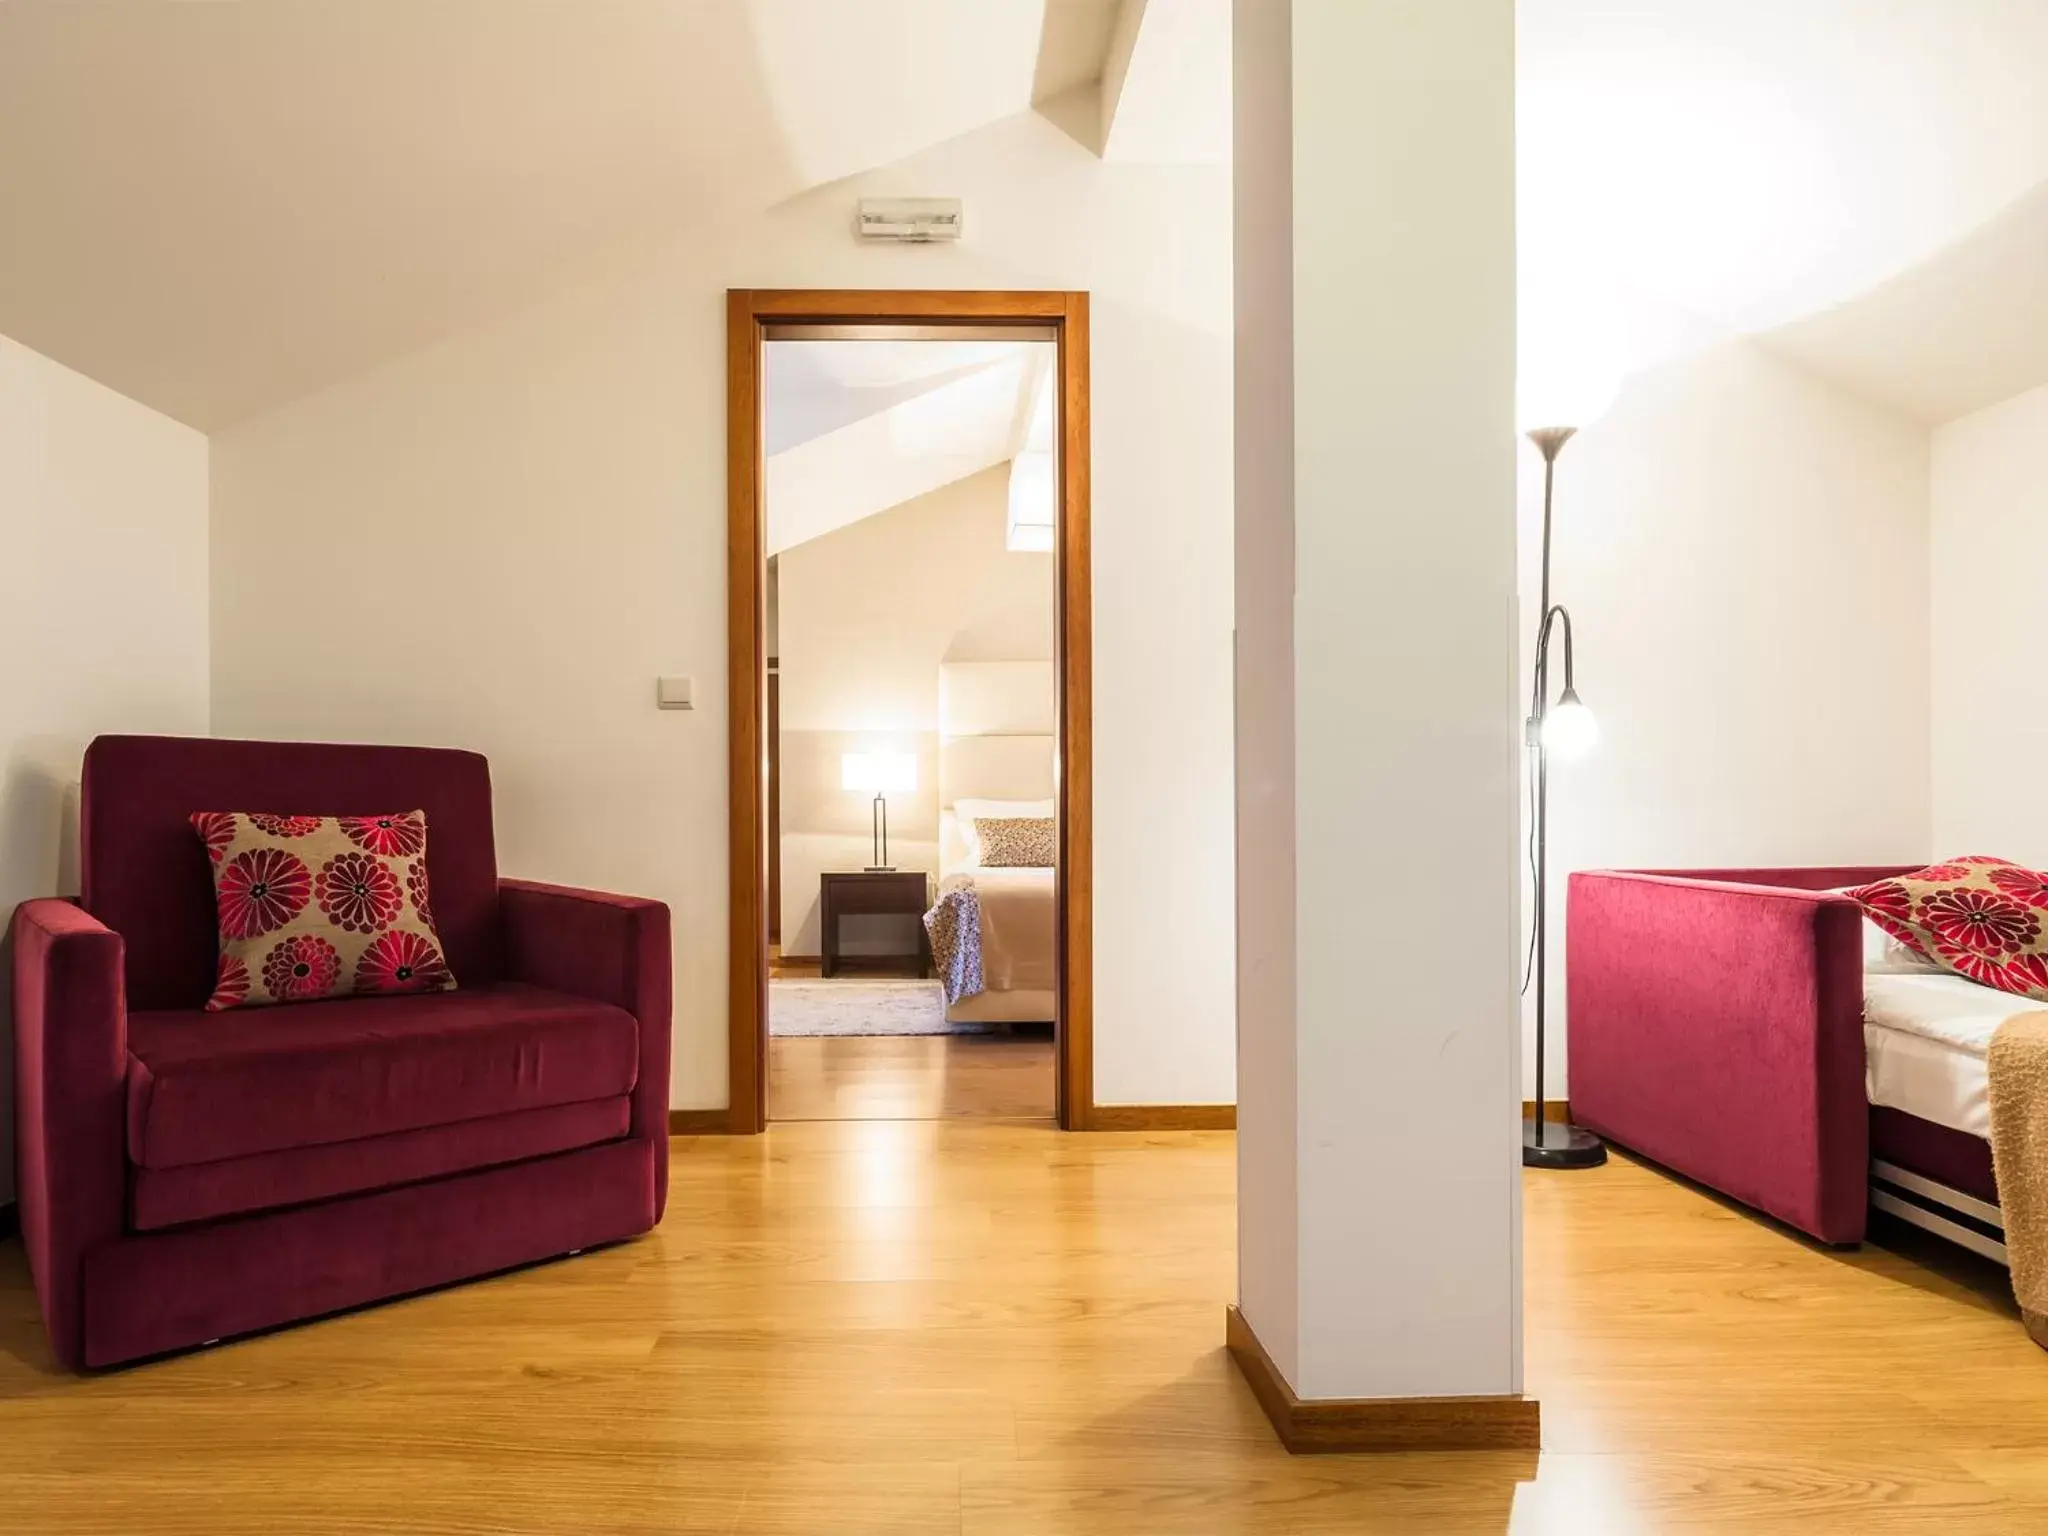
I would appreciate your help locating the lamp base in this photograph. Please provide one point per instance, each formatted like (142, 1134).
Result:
(879, 869)
(1557, 1145)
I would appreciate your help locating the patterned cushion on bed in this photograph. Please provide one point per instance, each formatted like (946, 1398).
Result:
(1980, 917)
(1016, 842)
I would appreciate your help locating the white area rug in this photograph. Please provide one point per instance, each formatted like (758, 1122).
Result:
(851, 1006)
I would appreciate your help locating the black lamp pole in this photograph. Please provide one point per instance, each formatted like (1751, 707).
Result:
(1545, 1145)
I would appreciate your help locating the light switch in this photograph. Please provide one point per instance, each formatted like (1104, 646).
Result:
(672, 693)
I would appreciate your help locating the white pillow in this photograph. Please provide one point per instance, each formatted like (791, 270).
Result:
(1884, 955)
(966, 812)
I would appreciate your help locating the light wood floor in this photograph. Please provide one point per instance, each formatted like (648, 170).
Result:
(977, 1328)
(910, 1077)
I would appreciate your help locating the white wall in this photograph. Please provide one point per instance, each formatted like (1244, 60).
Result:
(103, 589)
(1744, 552)
(520, 527)
(1269, 1067)
(868, 613)
(1376, 561)
(1990, 565)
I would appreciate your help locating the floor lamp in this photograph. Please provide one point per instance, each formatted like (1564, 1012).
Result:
(1567, 728)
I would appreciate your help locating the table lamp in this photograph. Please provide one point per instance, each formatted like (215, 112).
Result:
(881, 774)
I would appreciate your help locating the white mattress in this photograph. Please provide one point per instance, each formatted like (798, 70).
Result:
(1925, 1040)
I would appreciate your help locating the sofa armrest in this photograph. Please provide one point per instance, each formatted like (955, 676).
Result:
(612, 949)
(1717, 1028)
(70, 1074)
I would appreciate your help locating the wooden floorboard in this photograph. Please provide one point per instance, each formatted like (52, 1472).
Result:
(910, 1077)
(979, 1329)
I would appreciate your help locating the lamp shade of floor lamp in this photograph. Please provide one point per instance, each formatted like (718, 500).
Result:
(881, 774)
(1561, 727)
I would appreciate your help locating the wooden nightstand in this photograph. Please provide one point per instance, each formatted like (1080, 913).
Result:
(863, 893)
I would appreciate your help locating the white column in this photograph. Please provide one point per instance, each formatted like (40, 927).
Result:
(1378, 1052)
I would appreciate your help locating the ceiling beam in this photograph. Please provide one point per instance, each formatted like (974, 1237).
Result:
(1165, 96)
(1116, 67)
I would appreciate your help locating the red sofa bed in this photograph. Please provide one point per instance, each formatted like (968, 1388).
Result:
(1716, 1027)
(186, 1176)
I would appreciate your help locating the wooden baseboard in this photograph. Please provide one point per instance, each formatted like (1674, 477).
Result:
(1505, 1423)
(1223, 1117)
(700, 1122)
(1101, 1117)
(1159, 1117)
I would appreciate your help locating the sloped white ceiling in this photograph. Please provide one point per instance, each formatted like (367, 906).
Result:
(856, 86)
(1961, 331)
(1073, 45)
(816, 387)
(854, 428)
(1761, 162)
(217, 207)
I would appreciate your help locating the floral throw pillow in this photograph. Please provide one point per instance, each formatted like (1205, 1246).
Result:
(1016, 842)
(1981, 917)
(320, 906)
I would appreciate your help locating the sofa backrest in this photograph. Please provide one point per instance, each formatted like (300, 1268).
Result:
(144, 873)
(1799, 877)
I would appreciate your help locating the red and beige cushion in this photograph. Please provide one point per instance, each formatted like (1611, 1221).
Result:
(1980, 917)
(320, 906)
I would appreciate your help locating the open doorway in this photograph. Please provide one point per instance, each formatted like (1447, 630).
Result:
(910, 685)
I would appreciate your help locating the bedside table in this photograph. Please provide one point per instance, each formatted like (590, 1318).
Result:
(866, 893)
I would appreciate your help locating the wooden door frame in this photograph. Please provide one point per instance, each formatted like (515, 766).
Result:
(748, 312)
(773, 757)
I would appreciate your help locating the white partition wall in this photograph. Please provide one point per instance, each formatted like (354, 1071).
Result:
(1379, 1202)
(103, 598)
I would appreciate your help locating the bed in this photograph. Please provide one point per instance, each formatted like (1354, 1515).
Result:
(1751, 1030)
(1726, 1024)
(992, 944)
(994, 928)
(1927, 1039)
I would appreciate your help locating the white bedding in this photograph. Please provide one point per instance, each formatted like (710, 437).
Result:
(1925, 1039)
(994, 933)
(1018, 927)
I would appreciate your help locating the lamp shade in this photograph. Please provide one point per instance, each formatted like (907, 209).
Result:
(878, 773)
(1570, 350)
(1571, 390)
(1569, 729)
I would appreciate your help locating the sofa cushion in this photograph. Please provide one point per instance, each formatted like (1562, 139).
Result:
(237, 1186)
(320, 906)
(207, 1086)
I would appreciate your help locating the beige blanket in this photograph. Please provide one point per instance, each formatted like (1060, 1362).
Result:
(993, 930)
(2019, 1154)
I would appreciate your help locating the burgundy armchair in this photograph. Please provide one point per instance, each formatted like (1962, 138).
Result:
(185, 1176)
